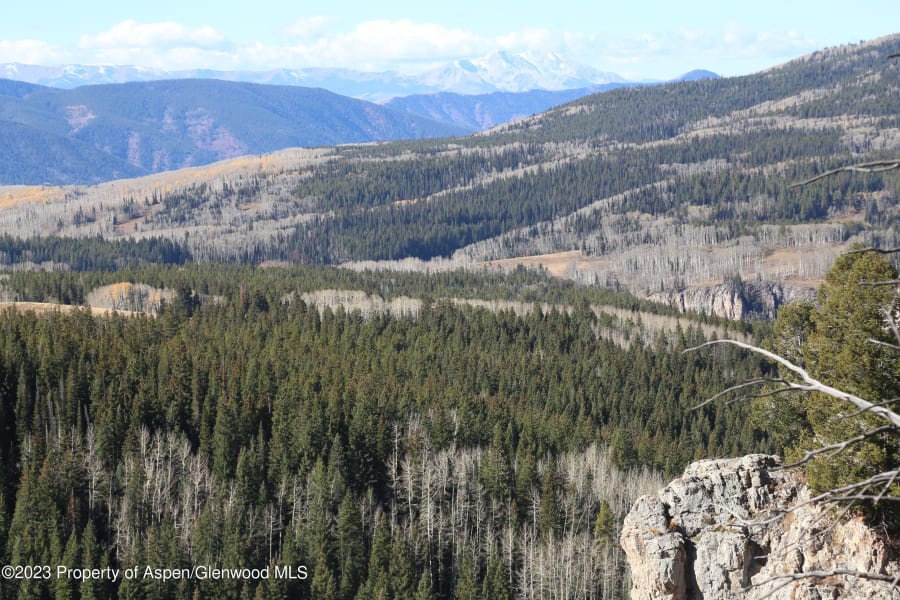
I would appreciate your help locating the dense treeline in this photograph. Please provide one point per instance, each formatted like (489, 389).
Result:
(369, 217)
(210, 281)
(91, 254)
(457, 454)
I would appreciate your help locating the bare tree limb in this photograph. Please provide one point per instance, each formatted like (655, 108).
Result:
(746, 384)
(885, 403)
(812, 384)
(877, 166)
(880, 343)
(878, 250)
(794, 577)
(833, 449)
(856, 491)
(887, 488)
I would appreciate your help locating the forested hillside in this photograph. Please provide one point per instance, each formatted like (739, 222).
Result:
(97, 133)
(476, 112)
(461, 452)
(279, 403)
(649, 189)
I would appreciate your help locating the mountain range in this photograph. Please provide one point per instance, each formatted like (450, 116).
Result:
(496, 72)
(57, 129)
(101, 132)
(661, 190)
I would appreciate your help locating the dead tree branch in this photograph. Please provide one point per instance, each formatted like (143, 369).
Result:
(833, 449)
(811, 384)
(877, 166)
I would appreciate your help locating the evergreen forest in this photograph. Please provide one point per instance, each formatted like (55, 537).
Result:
(326, 373)
(459, 452)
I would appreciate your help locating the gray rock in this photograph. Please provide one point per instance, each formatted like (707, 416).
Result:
(720, 531)
(735, 299)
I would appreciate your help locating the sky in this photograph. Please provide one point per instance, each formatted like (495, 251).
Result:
(637, 40)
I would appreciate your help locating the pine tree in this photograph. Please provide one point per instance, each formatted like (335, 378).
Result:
(323, 583)
(604, 525)
(91, 558)
(65, 587)
(425, 589)
(466, 587)
(401, 569)
(496, 580)
(549, 505)
(350, 548)
(840, 350)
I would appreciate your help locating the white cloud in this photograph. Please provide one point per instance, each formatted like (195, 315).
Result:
(309, 27)
(33, 52)
(380, 43)
(409, 46)
(162, 45)
(310, 42)
(729, 49)
(526, 39)
(131, 34)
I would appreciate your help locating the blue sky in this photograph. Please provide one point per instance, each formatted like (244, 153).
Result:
(638, 40)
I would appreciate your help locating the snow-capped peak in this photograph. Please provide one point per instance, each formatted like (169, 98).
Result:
(516, 72)
(499, 71)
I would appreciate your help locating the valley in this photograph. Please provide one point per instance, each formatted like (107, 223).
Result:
(427, 363)
(679, 187)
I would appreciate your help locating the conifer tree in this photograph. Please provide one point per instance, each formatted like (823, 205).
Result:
(350, 548)
(323, 584)
(425, 589)
(847, 344)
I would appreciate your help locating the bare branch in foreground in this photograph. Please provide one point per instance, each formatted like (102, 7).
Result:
(886, 282)
(833, 449)
(746, 384)
(794, 577)
(876, 166)
(862, 411)
(811, 384)
(878, 250)
(880, 343)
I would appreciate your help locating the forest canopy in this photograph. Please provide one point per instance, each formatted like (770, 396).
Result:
(441, 454)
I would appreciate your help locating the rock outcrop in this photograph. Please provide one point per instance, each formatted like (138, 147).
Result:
(718, 533)
(735, 299)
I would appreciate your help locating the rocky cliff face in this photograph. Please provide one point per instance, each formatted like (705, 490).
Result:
(736, 299)
(716, 533)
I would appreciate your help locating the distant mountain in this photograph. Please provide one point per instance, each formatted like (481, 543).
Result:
(504, 71)
(17, 89)
(500, 71)
(477, 112)
(483, 111)
(696, 75)
(346, 82)
(101, 132)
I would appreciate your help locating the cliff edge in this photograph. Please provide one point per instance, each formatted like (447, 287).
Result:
(718, 533)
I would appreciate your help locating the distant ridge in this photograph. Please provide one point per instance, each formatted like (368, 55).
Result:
(483, 111)
(680, 192)
(696, 75)
(101, 132)
(496, 72)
